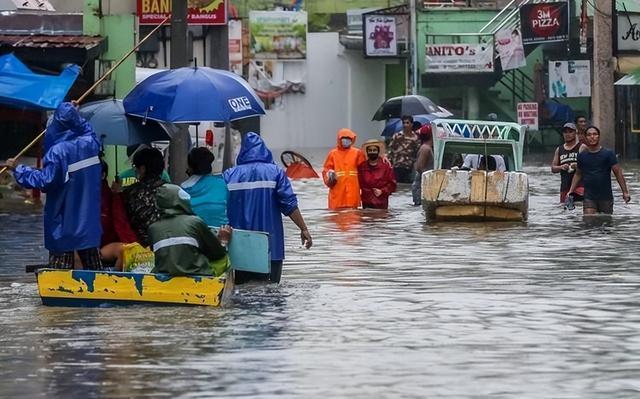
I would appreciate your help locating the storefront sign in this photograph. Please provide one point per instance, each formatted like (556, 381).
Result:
(278, 34)
(447, 58)
(544, 22)
(201, 12)
(528, 115)
(380, 36)
(569, 79)
(628, 34)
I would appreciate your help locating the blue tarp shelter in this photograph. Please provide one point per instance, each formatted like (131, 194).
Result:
(21, 88)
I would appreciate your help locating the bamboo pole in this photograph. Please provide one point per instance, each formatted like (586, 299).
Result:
(92, 88)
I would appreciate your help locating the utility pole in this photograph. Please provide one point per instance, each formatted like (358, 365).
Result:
(180, 138)
(413, 39)
(602, 96)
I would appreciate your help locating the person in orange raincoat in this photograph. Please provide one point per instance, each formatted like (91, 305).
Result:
(340, 172)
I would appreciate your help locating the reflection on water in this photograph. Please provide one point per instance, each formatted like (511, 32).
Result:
(383, 305)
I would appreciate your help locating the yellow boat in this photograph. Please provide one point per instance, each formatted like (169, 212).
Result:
(98, 288)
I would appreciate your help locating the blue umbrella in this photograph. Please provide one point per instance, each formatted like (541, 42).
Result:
(193, 94)
(395, 124)
(113, 126)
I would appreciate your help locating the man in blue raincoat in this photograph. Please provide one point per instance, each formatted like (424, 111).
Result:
(259, 194)
(70, 176)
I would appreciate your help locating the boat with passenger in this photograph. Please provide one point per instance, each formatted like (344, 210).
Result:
(248, 251)
(477, 173)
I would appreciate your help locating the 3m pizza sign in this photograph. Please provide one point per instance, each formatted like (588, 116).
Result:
(201, 12)
(544, 22)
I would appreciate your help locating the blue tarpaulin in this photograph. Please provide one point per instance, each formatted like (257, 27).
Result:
(21, 88)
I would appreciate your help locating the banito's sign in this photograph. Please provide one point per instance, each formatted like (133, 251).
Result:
(445, 58)
(544, 22)
(201, 12)
(528, 115)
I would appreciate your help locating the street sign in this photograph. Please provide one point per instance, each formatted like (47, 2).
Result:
(528, 115)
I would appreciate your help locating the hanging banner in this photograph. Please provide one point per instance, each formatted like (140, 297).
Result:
(509, 46)
(235, 46)
(446, 58)
(544, 22)
(380, 36)
(628, 33)
(569, 79)
(528, 115)
(201, 12)
(278, 34)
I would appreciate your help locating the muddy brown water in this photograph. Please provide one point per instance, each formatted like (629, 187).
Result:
(383, 305)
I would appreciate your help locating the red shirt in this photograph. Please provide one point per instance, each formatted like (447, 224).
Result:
(378, 176)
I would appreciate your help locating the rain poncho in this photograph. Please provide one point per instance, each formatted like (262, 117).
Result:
(182, 242)
(70, 176)
(259, 193)
(208, 198)
(344, 161)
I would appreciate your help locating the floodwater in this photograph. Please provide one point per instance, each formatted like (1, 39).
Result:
(383, 305)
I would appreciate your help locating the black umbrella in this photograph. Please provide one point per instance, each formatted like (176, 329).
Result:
(396, 107)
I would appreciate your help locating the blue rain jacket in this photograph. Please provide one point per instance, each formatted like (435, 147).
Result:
(208, 198)
(259, 192)
(70, 176)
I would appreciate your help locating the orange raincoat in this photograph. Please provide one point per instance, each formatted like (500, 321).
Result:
(345, 193)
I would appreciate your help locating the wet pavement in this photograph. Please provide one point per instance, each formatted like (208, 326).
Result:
(383, 305)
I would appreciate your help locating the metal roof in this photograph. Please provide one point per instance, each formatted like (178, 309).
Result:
(51, 41)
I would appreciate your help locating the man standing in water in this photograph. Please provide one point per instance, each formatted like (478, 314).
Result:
(565, 162)
(594, 168)
(403, 149)
(70, 176)
(581, 124)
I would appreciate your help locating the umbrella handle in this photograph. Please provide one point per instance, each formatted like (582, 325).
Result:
(93, 87)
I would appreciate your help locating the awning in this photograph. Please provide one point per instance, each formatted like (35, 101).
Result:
(21, 88)
(628, 80)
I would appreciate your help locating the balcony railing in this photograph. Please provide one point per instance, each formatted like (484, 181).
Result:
(492, 4)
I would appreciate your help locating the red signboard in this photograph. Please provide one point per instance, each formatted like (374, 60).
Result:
(544, 22)
(201, 12)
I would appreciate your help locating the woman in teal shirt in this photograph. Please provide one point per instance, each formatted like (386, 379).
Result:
(208, 192)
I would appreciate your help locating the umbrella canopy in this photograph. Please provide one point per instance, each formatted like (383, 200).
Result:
(115, 127)
(409, 105)
(193, 94)
(395, 124)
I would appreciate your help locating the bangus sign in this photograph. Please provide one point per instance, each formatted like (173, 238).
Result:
(201, 12)
(544, 22)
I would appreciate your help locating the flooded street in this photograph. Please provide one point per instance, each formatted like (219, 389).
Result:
(383, 305)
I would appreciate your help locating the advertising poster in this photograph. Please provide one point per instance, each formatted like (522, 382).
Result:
(446, 58)
(278, 35)
(380, 36)
(201, 12)
(528, 115)
(509, 46)
(544, 22)
(569, 79)
(235, 46)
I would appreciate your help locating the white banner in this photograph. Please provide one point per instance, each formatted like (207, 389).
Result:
(380, 35)
(569, 79)
(235, 46)
(445, 58)
(528, 115)
(509, 46)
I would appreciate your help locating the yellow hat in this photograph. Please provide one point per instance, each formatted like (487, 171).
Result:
(374, 143)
